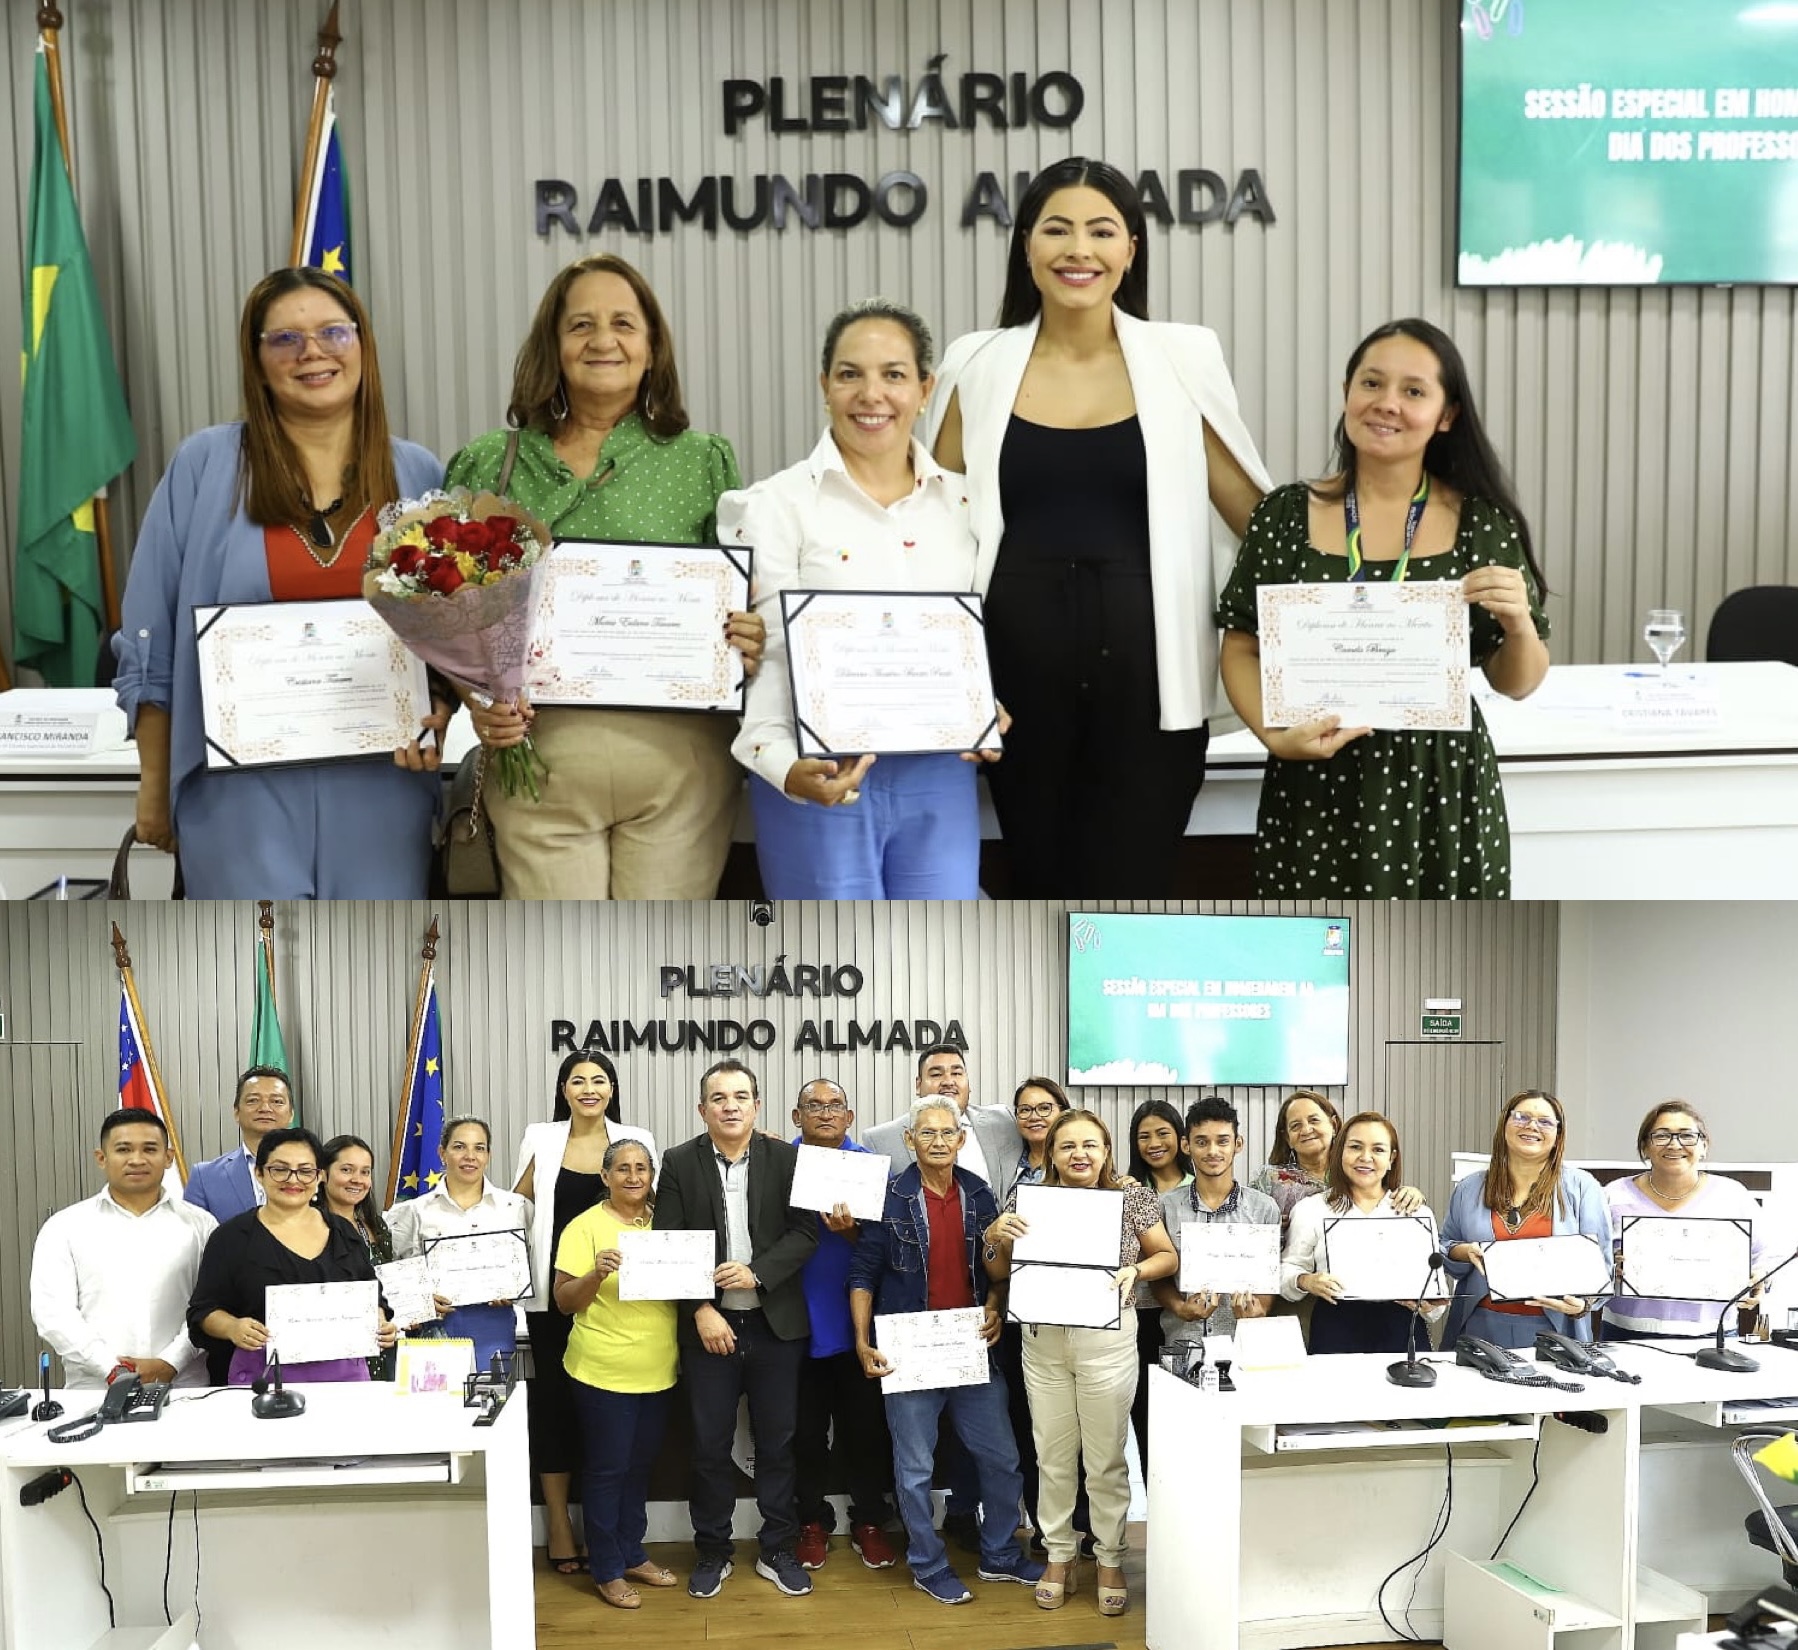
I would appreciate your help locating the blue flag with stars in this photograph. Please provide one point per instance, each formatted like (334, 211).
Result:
(328, 206)
(420, 1167)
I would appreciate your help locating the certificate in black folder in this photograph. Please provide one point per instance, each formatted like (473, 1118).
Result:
(1686, 1257)
(1382, 1257)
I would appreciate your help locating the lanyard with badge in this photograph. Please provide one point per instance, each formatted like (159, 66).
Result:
(1351, 512)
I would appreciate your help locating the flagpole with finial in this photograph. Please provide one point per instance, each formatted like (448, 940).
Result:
(324, 71)
(49, 30)
(428, 955)
(146, 1051)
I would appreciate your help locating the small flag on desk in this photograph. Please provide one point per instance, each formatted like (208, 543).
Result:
(419, 1168)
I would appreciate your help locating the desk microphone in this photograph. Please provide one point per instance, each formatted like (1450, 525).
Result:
(1722, 1357)
(47, 1409)
(273, 1402)
(1408, 1371)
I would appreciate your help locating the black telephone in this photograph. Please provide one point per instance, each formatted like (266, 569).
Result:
(1577, 1358)
(129, 1399)
(1497, 1364)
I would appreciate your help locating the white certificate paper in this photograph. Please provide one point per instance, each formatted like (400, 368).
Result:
(1382, 1257)
(827, 1175)
(1077, 1297)
(889, 673)
(638, 626)
(1223, 1258)
(314, 1322)
(407, 1286)
(1525, 1269)
(1675, 1257)
(1071, 1225)
(284, 682)
(929, 1350)
(1377, 655)
(667, 1266)
(473, 1268)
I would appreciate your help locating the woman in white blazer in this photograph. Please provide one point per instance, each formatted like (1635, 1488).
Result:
(1096, 444)
(559, 1170)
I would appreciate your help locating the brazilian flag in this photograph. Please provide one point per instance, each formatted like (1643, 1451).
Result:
(75, 430)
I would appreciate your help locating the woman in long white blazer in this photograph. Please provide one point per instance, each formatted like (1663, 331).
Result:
(1097, 445)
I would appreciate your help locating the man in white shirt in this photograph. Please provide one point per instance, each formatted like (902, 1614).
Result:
(111, 1276)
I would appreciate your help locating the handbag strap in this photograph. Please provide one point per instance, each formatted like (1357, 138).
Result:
(505, 469)
(118, 886)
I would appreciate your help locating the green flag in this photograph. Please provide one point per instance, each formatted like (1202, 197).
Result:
(266, 1046)
(75, 432)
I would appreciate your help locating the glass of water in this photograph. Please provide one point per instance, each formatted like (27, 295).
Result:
(1665, 633)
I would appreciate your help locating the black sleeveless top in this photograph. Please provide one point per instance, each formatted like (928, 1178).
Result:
(1076, 495)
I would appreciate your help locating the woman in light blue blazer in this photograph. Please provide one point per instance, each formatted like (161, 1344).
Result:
(1096, 445)
(1526, 1192)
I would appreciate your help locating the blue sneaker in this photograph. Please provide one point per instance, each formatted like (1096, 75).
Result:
(944, 1586)
(707, 1579)
(785, 1571)
(1026, 1572)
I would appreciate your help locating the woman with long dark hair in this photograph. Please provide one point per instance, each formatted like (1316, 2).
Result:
(279, 506)
(561, 1169)
(1417, 492)
(1096, 444)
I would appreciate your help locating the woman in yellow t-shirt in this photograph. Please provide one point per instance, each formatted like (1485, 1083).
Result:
(621, 1363)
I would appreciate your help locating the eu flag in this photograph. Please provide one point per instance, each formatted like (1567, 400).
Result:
(328, 206)
(420, 1167)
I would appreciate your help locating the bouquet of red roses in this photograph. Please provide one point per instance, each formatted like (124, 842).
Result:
(455, 576)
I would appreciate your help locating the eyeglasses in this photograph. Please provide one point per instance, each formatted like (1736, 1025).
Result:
(932, 1137)
(1047, 1109)
(289, 344)
(823, 1108)
(1524, 1119)
(1675, 1137)
(295, 1174)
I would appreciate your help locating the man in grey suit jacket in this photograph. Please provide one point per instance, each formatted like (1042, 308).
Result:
(749, 1338)
(991, 1146)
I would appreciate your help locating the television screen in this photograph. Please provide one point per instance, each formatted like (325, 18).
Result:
(1628, 142)
(1207, 999)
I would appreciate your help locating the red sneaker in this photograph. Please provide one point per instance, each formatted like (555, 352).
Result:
(812, 1547)
(870, 1540)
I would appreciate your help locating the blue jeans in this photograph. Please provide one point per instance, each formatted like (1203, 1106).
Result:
(983, 1423)
(620, 1434)
(915, 834)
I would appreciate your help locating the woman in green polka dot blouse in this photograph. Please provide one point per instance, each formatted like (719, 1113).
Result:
(636, 804)
(1350, 812)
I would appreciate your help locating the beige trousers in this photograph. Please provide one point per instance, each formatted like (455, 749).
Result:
(637, 804)
(1081, 1383)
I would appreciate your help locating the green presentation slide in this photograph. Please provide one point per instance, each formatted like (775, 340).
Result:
(1207, 999)
(1628, 142)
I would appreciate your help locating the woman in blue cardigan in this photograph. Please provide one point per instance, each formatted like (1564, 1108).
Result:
(1526, 1192)
(278, 507)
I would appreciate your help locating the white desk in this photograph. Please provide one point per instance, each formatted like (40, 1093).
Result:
(291, 1557)
(1260, 1540)
(1599, 813)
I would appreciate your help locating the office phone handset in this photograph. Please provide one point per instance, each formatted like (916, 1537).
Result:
(1497, 1364)
(1577, 1358)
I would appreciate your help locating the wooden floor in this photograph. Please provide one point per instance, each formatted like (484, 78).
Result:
(849, 1605)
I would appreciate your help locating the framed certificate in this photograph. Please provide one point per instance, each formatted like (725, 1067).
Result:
(1377, 655)
(474, 1268)
(289, 682)
(887, 673)
(638, 626)
(1686, 1257)
(1523, 1269)
(1382, 1257)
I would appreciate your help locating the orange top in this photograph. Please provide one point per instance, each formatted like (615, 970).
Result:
(294, 575)
(1537, 1226)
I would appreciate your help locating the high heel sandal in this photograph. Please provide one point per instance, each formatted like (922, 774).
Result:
(1051, 1595)
(1113, 1601)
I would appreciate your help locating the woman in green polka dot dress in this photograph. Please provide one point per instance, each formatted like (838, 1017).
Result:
(1355, 813)
(637, 804)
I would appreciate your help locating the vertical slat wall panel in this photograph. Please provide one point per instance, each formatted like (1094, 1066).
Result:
(346, 974)
(1651, 432)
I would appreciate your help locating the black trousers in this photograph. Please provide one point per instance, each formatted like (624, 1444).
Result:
(553, 1425)
(766, 1369)
(840, 1406)
(1092, 796)
(1148, 1350)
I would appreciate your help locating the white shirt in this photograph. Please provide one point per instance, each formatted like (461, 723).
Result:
(438, 1215)
(107, 1284)
(738, 1245)
(813, 528)
(256, 1185)
(1304, 1250)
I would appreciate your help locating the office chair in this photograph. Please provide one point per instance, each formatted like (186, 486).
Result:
(1760, 622)
(1770, 1527)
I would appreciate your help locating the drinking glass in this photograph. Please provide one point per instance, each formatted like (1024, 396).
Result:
(1665, 633)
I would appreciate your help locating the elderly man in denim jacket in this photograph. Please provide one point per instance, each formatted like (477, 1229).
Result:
(924, 1256)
